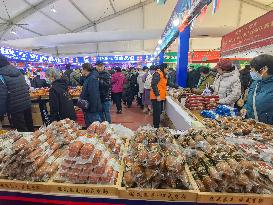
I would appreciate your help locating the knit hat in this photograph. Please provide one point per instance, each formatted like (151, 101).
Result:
(224, 64)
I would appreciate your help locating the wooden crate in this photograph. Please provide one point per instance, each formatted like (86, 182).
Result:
(16, 185)
(234, 198)
(161, 194)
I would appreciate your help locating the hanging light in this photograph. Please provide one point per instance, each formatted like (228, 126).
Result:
(176, 22)
(53, 9)
(160, 41)
(13, 32)
(158, 49)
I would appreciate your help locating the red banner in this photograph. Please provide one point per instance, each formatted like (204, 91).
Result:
(204, 56)
(256, 34)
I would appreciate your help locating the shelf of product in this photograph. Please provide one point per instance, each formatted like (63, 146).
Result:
(61, 158)
(155, 167)
(178, 94)
(200, 102)
(44, 92)
(219, 166)
(36, 156)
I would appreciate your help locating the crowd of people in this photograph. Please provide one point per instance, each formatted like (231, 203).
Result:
(250, 89)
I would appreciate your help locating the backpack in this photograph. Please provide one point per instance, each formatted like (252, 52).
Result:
(148, 81)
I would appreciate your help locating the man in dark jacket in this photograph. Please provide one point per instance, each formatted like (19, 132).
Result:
(105, 91)
(193, 77)
(132, 87)
(67, 74)
(37, 82)
(91, 93)
(14, 96)
(172, 78)
(60, 102)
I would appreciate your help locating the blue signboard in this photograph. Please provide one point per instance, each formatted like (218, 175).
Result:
(20, 55)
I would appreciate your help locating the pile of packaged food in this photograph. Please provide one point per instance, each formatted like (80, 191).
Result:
(219, 165)
(179, 93)
(36, 156)
(200, 102)
(38, 92)
(88, 161)
(155, 161)
(75, 91)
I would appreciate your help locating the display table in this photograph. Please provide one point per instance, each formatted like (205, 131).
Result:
(181, 119)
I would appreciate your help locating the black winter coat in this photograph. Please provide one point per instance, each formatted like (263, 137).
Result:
(37, 82)
(14, 95)
(67, 76)
(193, 79)
(105, 86)
(91, 92)
(245, 79)
(61, 104)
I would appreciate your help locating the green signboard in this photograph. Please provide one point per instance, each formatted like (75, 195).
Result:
(170, 57)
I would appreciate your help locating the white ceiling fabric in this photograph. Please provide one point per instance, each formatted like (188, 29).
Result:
(111, 26)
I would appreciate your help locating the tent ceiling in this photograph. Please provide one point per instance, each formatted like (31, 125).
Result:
(114, 16)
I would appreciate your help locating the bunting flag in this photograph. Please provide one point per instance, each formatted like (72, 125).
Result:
(216, 6)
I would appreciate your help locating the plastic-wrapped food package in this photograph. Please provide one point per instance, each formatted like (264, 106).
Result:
(218, 165)
(89, 161)
(35, 156)
(153, 161)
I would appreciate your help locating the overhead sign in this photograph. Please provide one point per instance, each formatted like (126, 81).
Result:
(21, 55)
(109, 59)
(170, 57)
(256, 34)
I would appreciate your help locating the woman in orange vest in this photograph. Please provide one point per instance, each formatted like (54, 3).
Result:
(158, 92)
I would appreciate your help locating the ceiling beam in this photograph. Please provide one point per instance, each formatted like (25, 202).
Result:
(22, 27)
(30, 11)
(79, 10)
(49, 17)
(109, 17)
(112, 5)
(257, 4)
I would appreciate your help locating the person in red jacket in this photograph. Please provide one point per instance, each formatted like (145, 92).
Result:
(118, 80)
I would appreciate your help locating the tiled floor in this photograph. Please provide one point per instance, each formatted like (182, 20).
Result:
(132, 117)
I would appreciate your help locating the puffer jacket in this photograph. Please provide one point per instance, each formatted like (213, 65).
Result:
(228, 87)
(91, 92)
(118, 81)
(263, 100)
(17, 98)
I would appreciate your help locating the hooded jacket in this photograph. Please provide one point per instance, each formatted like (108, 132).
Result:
(14, 94)
(228, 87)
(118, 81)
(61, 104)
(91, 92)
(105, 86)
(263, 100)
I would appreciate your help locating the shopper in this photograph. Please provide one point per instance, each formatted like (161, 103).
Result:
(227, 83)
(158, 92)
(75, 77)
(193, 77)
(14, 96)
(37, 82)
(172, 78)
(259, 103)
(147, 79)
(26, 77)
(118, 81)
(67, 74)
(91, 94)
(105, 91)
(206, 80)
(141, 86)
(132, 90)
(60, 101)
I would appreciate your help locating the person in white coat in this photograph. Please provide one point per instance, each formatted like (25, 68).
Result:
(227, 84)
